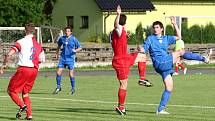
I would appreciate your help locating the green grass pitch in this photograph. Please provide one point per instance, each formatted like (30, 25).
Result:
(96, 97)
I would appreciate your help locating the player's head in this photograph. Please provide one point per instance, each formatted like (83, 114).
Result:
(29, 28)
(68, 30)
(157, 27)
(122, 19)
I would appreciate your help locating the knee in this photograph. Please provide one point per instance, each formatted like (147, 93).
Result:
(123, 84)
(25, 95)
(169, 88)
(58, 73)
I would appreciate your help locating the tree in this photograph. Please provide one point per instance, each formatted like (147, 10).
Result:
(19, 12)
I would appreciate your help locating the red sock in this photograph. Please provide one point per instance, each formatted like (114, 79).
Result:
(15, 97)
(182, 66)
(121, 97)
(176, 69)
(28, 104)
(142, 70)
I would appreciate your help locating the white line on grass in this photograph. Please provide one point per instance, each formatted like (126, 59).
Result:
(105, 102)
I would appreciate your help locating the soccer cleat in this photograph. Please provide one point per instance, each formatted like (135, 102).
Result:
(20, 111)
(28, 118)
(72, 91)
(145, 83)
(175, 73)
(57, 90)
(120, 111)
(185, 71)
(162, 112)
(208, 55)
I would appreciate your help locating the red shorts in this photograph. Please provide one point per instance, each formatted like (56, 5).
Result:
(122, 65)
(23, 80)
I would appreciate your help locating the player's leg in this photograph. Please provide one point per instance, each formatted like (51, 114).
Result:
(71, 67)
(122, 75)
(176, 67)
(16, 86)
(27, 102)
(72, 80)
(122, 96)
(58, 80)
(193, 56)
(168, 82)
(26, 90)
(141, 60)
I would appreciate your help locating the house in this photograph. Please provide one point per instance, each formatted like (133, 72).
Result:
(90, 18)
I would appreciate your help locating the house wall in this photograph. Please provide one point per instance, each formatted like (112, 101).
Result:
(78, 8)
(169, 10)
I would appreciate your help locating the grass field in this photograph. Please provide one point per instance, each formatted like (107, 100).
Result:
(96, 96)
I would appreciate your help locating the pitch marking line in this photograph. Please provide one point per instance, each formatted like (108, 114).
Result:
(105, 102)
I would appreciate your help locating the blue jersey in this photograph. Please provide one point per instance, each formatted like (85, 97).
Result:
(158, 46)
(68, 44)
(158, 49)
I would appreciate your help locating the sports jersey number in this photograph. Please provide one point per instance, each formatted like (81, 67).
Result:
(33, 50)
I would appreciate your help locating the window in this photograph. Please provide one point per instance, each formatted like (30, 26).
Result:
(84, 22)
(70, 21)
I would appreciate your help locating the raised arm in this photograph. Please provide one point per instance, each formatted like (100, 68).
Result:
(118, 11)
(178, 32)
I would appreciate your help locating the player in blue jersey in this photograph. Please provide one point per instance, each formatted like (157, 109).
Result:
(70, 45)
(157, 45)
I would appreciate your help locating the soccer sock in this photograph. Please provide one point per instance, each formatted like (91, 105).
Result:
(72, 79)
(121, 97)
(176, 69)
(28, 104)
(182, 66)
(193, 56)
(16, 99)
(142, 70)
(58, 79)
(164, 99)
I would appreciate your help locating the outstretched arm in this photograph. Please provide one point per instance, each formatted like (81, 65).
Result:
(178, 32)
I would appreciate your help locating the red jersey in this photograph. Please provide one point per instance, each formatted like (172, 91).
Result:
(119, 44)
(29, 51)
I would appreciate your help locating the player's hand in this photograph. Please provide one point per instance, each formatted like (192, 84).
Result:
(2, 68)
(173, 19)
(56, 56)
(118, 10)
(140, 49)
(73, 50)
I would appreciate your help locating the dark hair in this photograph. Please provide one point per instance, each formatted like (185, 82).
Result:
(30, 28)
(157, 23)
(68, 27)
(122, 19)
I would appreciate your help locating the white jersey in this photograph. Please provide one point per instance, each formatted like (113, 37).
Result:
(30, 52)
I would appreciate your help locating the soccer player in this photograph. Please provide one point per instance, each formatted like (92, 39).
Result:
(179, 46)
(122, 60)
(30, 54)
(157, 45)
(70, 45)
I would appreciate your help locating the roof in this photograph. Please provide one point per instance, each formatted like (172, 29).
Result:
(126, 5)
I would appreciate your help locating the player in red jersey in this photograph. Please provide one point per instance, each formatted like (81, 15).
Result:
(30, 54)
(122, 60)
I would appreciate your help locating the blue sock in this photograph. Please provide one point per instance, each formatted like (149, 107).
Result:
(58, 79)
(72, 79)
(164, 99)
(193, 56)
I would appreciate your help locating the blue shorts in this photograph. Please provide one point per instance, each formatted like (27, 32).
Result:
(164, 65)
(63, 64)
